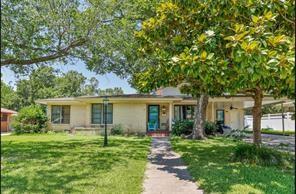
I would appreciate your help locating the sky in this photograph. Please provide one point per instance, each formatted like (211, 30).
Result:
(109, 80)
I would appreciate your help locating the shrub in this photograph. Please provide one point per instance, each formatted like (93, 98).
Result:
(252, 154)
(30, 119)
(182, 127)
(117, 129)
(237, 133)
(210, 128)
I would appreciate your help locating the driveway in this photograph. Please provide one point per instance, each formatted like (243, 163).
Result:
(285, 143)
(166, 173)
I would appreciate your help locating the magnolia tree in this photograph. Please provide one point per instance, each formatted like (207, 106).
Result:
(220, 46)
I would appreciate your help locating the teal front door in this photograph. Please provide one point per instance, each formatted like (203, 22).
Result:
(153, 117)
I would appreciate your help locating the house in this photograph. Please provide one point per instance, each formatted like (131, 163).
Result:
(6, 117)
(135, 112)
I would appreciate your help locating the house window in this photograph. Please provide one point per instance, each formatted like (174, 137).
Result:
(97, 113)
(220, 116)
(60, 114)
(3, 117)
(182, 112)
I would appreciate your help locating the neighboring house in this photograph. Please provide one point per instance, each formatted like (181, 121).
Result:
(6, 117)
(139, 113)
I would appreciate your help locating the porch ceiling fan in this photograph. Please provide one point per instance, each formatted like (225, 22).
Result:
(232, 107)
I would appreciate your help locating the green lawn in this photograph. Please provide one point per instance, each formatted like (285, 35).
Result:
(61, 163)
(209, 163)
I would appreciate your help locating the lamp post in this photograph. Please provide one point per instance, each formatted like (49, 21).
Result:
(105, 101)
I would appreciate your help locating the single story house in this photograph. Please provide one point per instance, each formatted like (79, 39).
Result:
(6, 117)
(142, 113)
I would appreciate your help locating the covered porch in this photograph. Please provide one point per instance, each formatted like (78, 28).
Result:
(228, 110)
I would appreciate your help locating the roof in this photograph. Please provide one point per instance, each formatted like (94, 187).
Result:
(5, 110)
(133, 96)
(248, 100)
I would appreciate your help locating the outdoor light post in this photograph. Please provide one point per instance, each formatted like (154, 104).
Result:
(105, 101)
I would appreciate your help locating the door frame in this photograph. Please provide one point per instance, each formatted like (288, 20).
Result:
(148, 111)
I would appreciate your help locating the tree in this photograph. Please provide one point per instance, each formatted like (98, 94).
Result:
(111, 91)
(70, 84)
(177, 52)
(99, 33)
(40, 84)
(8, 96)
(214, 45)
(92, 87)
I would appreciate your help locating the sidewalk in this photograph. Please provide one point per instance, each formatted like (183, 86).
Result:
(166, 173)
(5, 133)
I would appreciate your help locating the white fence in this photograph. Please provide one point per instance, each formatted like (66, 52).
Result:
(273, 121)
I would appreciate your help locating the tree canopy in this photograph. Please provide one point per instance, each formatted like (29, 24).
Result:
(99, 33)
(220, 46)
(46, 82)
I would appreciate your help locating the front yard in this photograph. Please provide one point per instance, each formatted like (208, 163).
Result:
(61, 163)
(210, 165)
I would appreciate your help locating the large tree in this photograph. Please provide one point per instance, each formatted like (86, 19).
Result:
(70, 84)
(98, 33)
(8, 96)
(210, 45)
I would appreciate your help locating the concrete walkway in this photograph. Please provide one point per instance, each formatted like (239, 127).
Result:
(166, 173)
(5, 133)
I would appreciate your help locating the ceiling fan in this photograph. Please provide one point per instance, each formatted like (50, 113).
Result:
(232, 107)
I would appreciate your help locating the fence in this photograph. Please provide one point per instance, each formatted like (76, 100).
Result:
(273, 121)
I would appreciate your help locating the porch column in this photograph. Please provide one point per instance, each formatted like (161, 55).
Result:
(213, 112)
(170, 116)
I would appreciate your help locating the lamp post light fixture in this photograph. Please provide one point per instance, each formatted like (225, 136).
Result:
(105, 101)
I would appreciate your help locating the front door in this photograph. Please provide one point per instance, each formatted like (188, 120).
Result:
(153, 117)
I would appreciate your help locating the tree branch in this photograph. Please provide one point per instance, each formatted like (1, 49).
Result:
(58, 54)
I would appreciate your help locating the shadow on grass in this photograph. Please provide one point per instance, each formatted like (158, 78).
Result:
(210, 165)
(57, 166)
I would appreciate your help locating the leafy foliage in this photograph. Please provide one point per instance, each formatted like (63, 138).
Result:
(110, 91)
(8, 96)
(117, 129)
(210, 128)
(46, 82)
(31, 119)
(252, 154)
(97, 33)
(237, 134)
(215, 47)
(182, 127)
(70, 84)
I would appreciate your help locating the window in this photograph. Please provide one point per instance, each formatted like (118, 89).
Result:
(182, 112)
(97, 114)
(3, 117)
(60, 114)
(220, 116)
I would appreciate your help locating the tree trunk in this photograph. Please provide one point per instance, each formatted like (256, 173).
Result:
(257, 114)
(200, 116)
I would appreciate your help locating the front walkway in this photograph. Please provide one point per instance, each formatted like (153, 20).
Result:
(5, 133)
(166, 173)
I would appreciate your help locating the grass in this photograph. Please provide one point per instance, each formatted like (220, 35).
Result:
(273, 132)
(210, 165)
(61, 163)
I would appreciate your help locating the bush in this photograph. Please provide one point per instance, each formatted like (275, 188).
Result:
(117, 130)
(237, 133)
(210, 128)
(252, 154)
(183, 127)
(30, 119)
